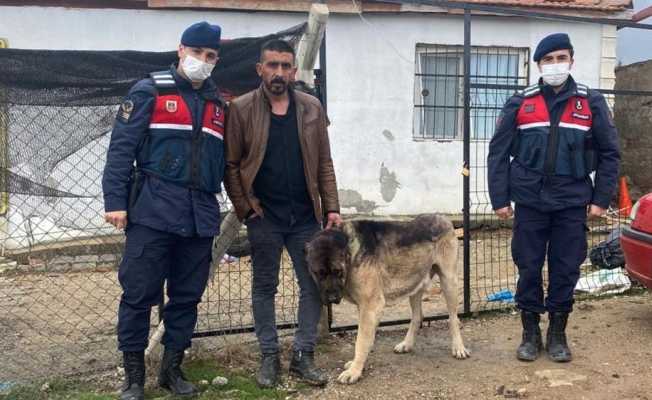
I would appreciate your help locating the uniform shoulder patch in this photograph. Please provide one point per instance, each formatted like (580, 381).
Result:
(582, 90)
(125, 111)
(530, 91)
(163, 80)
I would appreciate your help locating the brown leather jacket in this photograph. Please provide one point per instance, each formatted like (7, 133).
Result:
(247, 130)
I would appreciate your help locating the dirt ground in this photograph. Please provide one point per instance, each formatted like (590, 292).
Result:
(610, 338)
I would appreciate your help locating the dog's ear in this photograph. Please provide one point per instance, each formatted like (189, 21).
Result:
(340, 238)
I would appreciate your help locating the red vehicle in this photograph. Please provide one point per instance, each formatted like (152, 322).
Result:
(636, 242)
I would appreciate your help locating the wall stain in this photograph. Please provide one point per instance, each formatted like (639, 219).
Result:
(388, 183)
(353, 199)
(388, 135)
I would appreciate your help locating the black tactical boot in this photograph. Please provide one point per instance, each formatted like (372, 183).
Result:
(270, 369)
(134, 384)
(171, 377)
(303, 367)
(556, 338)
(532, 343)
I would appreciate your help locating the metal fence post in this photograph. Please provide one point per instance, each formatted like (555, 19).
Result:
(467, 158)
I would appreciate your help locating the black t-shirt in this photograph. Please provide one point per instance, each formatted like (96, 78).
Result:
(281, 183)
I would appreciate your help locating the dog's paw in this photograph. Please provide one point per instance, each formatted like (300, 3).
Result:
(349, 376)
(348, 364)
(403, 348)
(460, 352)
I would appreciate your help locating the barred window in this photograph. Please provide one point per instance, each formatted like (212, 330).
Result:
(496, 72)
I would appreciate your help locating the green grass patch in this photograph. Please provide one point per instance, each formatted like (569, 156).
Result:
(241, 386)
(58, 390)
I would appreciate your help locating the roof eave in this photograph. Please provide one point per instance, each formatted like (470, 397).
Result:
(368, 6)
(335, 6)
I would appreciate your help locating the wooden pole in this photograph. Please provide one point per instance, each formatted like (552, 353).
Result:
(307, 54)
(4, 164)
(308, 49)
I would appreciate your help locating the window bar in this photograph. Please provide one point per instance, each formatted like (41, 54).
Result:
(433, 94)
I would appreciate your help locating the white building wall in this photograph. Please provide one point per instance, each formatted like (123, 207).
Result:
(370, 81)
(371, 89)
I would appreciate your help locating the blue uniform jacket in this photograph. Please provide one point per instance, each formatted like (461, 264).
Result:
(160, 205)
(556, 192)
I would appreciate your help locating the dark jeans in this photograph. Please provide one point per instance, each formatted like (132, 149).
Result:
(267, 242)
(149, 259)
(562, 236)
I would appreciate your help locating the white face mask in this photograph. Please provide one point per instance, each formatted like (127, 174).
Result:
(196, 70)
(555, 74)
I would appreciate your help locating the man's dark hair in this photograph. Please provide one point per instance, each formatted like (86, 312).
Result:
(278, 45)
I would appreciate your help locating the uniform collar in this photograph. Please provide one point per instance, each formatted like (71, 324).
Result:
(569, 88)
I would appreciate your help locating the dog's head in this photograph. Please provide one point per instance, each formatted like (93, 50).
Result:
(328, 256)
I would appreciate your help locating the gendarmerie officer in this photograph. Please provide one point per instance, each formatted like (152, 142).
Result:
(557, 132)
(171, 126)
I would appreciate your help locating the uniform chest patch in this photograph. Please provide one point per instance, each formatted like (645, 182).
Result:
(171, 106)
(218, 112)
(530, 108)
(578, 105)
(581, 116)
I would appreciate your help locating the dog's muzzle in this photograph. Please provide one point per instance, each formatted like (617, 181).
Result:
(333, 298)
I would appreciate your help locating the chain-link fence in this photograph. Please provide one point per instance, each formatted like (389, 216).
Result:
(58, 282)
(59, 291)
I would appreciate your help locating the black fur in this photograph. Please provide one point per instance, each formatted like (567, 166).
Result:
(424, 228)
(321, 246)
(371, 234)
(338, 237)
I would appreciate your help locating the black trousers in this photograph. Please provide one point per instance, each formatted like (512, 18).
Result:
(151, 257)
(267, 243)
(561, 235)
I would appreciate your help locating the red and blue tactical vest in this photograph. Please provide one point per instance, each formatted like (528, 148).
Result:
(561, 147)
(177, 151)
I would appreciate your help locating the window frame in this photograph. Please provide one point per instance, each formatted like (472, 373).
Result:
(421, 49)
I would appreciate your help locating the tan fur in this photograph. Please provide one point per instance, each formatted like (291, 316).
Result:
(394, 272)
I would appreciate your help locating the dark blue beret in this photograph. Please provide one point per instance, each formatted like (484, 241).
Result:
(550, 43)
(202, 34)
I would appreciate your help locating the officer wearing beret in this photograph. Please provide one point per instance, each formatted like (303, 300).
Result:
(164, 167)
(556, 133)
